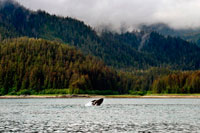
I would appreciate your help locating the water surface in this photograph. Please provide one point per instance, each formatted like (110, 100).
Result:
(115, 115)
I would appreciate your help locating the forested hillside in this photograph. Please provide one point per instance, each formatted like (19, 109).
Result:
(153, 49)
(189, 34)
(126, 51)
(35, 66)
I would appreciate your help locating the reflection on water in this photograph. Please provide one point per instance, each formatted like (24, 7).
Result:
(115, 115)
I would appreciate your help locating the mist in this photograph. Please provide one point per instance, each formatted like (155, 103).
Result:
(126, 15)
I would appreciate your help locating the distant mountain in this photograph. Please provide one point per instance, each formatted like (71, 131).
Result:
(191, 35)
(127, 51)
(161, 51)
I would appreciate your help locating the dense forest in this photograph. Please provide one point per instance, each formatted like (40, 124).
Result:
(181, 82)
(46, 54)
(189, 34)
(38, 64)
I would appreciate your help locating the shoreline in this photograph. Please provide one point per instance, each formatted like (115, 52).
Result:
(175, 96)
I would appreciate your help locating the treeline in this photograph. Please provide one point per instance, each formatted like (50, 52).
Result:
(181, 82)
(162, 81)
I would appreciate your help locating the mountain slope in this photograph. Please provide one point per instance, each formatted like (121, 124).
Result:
(161, 51)
(135, 50)
(19, 21)
(191, 35)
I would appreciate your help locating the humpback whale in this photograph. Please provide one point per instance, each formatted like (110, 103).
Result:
(97, 102)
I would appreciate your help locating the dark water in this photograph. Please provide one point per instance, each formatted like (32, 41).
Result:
(115, 115)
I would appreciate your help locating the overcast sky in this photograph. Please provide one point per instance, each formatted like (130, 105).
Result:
(124, 13)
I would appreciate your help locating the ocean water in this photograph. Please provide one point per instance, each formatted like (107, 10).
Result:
(115, 115)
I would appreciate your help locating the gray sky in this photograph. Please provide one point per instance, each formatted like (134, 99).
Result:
(124, 13)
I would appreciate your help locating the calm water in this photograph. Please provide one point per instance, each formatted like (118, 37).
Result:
(115, 115)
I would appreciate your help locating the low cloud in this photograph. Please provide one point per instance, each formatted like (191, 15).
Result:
(120, 15)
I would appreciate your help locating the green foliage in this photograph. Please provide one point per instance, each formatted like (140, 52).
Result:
(98, 92)
(2, 91)
(54, 91)
(24, 92)
(140, 93)
(181, 82)
(36, 66)
(141, 81)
